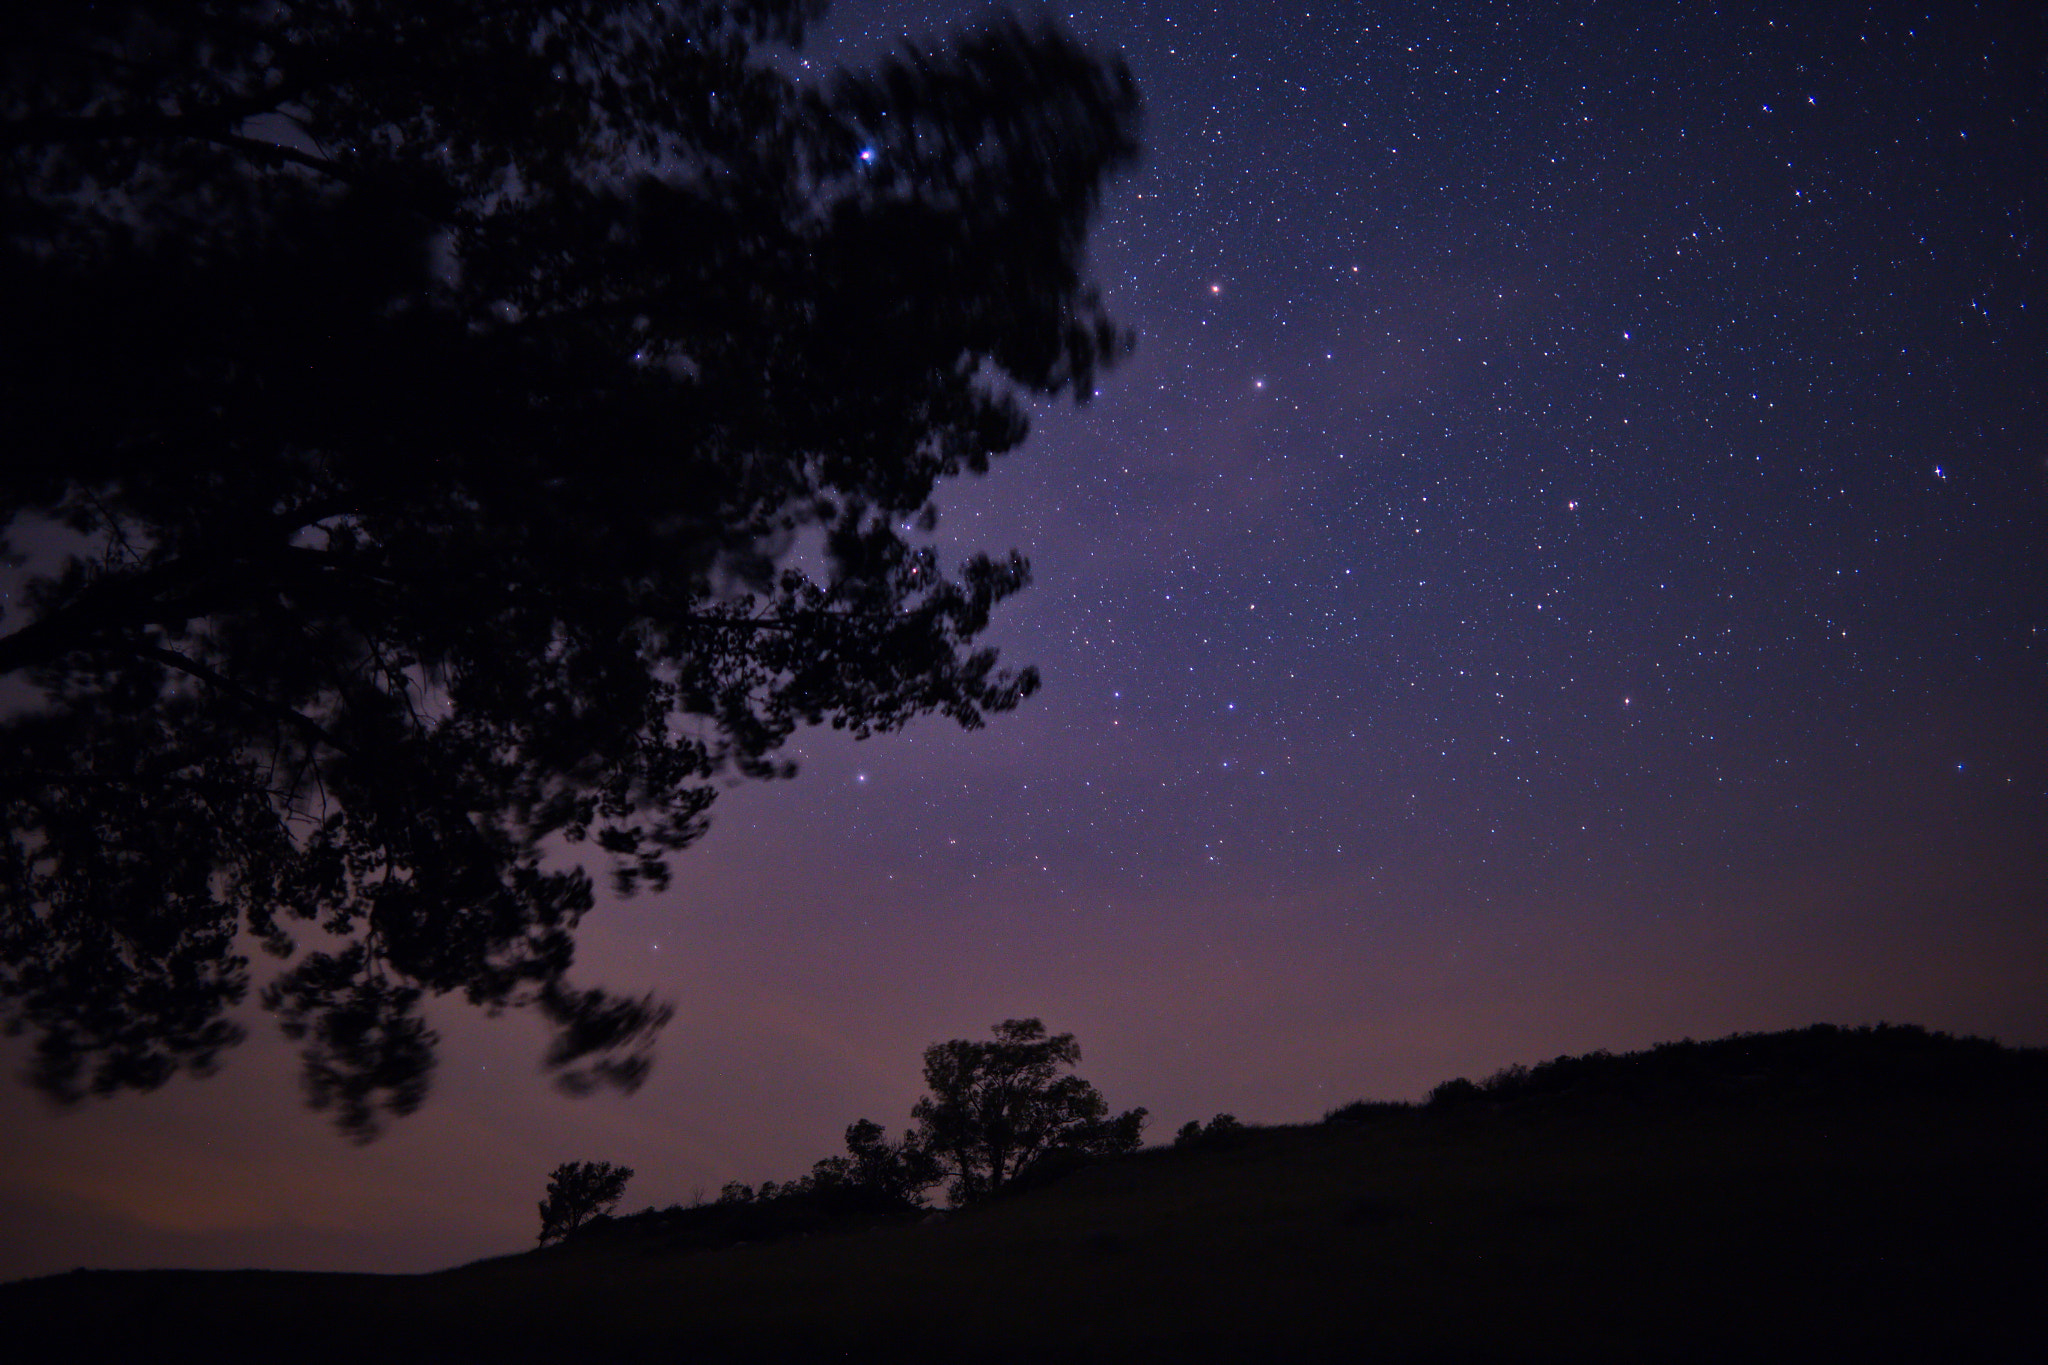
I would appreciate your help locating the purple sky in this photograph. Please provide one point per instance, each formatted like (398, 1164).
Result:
(1564, 570)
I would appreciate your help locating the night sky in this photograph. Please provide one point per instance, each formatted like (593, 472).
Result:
(1563, 570)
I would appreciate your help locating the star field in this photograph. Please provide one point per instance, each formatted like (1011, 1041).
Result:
(1566, 567)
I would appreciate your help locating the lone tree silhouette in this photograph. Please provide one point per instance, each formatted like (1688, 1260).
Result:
(447, 430)
(579, 1191)
(996, 1107)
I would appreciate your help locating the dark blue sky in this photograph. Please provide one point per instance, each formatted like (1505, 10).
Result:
(1567, 567)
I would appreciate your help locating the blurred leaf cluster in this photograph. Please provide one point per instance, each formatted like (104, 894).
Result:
(449, 437)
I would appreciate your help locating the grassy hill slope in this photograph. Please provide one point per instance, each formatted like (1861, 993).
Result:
(1774, 1201)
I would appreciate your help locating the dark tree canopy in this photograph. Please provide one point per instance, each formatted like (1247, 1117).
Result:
(997, 1107)
(876, 1172)
(579, 1191)
(478, 428)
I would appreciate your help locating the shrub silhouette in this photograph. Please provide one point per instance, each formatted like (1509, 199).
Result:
(875, 1174)
(1453, 1092)
(1367, 1111)
(1220, 1131)
(1808, 1064)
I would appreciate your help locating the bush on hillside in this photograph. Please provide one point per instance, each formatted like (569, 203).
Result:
(1221, 1131)
(1872, 1061)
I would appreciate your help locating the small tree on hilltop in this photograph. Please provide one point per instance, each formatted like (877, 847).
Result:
(998, 1106)
(579, 1191)
(876, 1172)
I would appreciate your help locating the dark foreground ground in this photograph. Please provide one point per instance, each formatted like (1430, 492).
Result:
(1724, 1222)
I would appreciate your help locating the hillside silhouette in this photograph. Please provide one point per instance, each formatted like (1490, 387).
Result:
(1870, 1194)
